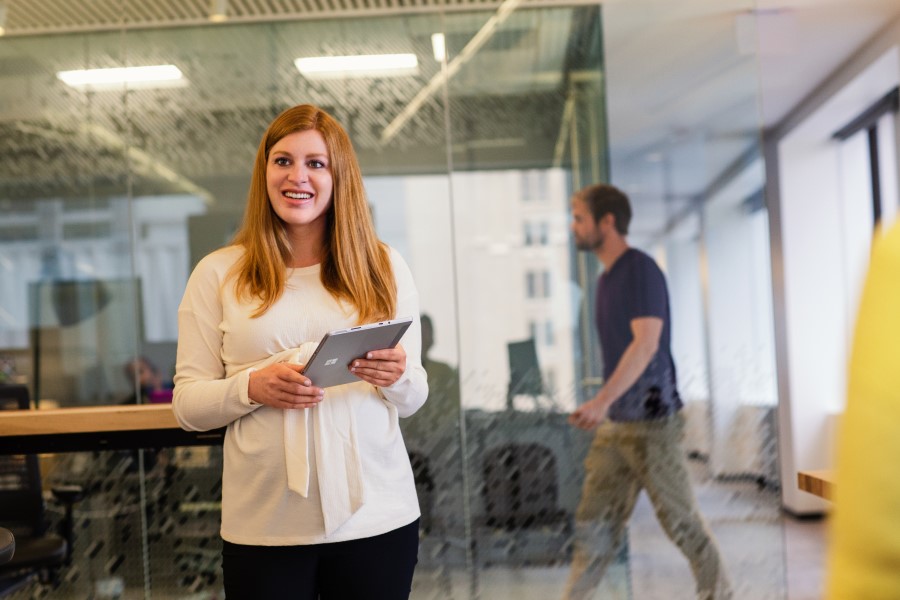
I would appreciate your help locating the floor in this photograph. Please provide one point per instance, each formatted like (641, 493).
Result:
(804, 544)
(770, 555)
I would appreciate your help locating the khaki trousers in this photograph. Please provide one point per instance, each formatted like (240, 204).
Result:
(625, 458)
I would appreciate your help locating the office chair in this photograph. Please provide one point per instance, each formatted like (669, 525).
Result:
(524, 372)
(520, 487)
(523, 523)
(39, 553)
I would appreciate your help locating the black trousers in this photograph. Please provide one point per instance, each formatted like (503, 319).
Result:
(374, 568)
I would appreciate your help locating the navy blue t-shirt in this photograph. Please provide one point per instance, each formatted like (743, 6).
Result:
(635, 287)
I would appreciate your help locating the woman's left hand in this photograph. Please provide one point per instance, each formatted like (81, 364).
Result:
(381, 367)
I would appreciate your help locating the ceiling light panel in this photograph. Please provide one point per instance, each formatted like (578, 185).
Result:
(364, 65)
(439, 46)
(130, 77)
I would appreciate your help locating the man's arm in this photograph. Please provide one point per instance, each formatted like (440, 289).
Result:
(646, 332)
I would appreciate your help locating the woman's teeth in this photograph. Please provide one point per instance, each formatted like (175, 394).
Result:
(300, 196)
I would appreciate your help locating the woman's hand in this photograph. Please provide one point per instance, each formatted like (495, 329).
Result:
(381, 368)
(283, 386)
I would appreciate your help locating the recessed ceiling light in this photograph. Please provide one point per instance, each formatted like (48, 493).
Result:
(368, 65)
(150, 76)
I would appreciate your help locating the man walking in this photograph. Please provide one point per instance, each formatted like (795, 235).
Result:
(637, 444)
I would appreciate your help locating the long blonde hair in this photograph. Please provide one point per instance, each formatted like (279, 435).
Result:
(356, 266)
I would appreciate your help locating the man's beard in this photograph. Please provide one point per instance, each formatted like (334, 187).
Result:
(582, 244)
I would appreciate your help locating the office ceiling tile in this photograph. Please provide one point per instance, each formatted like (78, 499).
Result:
(29, 17)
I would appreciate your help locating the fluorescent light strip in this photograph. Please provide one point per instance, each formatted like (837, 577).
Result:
(368, 65)
(120, 75)
(438, 46)
(444, 75)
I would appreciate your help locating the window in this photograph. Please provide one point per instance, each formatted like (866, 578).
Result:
(530, 285)
(534, 186)
(876, 124)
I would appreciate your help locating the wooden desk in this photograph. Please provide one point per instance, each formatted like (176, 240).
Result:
(114, 427)
(819, 483)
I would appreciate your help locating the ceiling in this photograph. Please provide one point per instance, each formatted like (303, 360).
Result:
(201, 137)
(690, 84)
(27, 17)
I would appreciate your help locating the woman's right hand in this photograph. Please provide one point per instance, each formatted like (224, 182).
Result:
(283, 386)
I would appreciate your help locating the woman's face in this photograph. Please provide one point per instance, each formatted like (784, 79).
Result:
(298, 179)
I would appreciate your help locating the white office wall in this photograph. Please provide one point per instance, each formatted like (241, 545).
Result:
(412, 214)
(855, 234)
(162, 255)
(160, 248)
(493, 266)
(822, 217)
(688, 327)
(683, 271)
(741, 330)
(486, 285)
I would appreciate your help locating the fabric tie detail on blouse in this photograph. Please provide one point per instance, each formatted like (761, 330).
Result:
(338, 465)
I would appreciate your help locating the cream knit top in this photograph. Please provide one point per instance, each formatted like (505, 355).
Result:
(349, 471)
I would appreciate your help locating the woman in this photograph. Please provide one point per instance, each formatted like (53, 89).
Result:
(318, 497)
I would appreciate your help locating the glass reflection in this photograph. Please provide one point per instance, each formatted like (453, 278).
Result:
(111, 196)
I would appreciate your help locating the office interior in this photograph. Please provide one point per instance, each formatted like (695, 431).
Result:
(757, 139)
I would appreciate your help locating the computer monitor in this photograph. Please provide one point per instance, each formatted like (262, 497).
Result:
(524, 371)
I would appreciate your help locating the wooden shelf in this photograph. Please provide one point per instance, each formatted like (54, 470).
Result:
(97, 428)
(819, 483)
(87, 419)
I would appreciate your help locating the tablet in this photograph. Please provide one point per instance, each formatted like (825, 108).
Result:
(329, 364)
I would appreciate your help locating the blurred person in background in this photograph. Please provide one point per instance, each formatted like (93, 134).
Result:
(432, 436)
(144, 374)
(636, 413)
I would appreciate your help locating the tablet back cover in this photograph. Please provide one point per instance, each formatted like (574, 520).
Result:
(329, 364)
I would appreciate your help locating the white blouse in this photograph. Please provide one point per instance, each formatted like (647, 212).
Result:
(335, 472)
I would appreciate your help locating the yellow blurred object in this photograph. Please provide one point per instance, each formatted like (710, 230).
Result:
(864, 556)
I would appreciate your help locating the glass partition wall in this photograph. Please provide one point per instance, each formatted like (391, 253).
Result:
(684, 142)
(111, 194)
